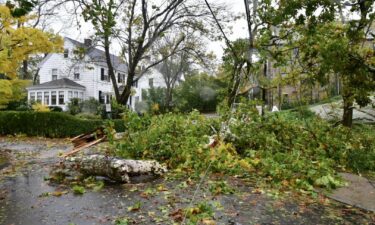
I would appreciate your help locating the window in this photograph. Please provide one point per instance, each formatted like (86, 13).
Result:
(70, 95)
(39, 96)
(76, 94)
(81, 95)
(130, 100)
(76, 73)
(53, 98)
(66, 53)
(46, 98)
(151, 82)
(135, 84)
(54, 74)
(136, 99)
(61, 98)
(101, 97)
(102, 76)
(107, 99)
(120, 78)
(32, 96)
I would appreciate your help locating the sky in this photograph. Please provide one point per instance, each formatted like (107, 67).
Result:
(235, 6)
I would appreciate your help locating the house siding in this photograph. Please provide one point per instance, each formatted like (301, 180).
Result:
(90, 75)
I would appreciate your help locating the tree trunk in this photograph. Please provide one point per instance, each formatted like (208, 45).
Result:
(125, 94)
(35, 78)
(111, 71)
(116, 169)
(347, 117)
(168, 97)
(25, 70)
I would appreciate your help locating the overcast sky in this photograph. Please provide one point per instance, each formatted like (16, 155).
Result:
(239, 28)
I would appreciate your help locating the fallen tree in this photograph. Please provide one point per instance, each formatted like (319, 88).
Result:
(116, 169)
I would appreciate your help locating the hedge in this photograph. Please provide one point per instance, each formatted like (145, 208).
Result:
(49, 124)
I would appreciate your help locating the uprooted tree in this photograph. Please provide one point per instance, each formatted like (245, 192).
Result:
(116, 169)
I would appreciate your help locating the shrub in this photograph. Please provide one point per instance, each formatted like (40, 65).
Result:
(284, 149)
(178, 140)
(74, 106)
(55, 109)
(301, 152)
(39, 107)
(88, 116)
(92, 106)
(48, 124)
(117, 109)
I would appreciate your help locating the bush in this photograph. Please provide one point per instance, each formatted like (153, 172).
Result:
(285, 149)
(74, 106)
(88, 116)
(92, 106)
(48, 124)
(180, 141)
(300, 152)
(55, 109)
(117, 109)
(38, 107)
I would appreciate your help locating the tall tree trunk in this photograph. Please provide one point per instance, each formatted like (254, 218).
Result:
(168, 97)
(124, 97)
(25, 69)
(111, 71)
(35, 78)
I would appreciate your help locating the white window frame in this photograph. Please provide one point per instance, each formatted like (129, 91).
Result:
(54, 74)
(63, 97)
(32, 96)
(53, 94)
(46, 98)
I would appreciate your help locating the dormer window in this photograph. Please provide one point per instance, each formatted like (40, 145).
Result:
(66, 53)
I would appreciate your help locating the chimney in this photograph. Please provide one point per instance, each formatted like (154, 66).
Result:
(88, 42)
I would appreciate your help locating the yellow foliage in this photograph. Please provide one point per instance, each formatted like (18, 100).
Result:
(11, 90)
(155, 107)
(17, 44)
(39, 107)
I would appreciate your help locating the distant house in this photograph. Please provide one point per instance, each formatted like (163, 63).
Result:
(68, 75)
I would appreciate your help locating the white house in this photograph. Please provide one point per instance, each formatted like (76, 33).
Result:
(64, 76)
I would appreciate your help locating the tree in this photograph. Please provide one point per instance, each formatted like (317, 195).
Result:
(327, 46)
(137, 25)
(190, 55)
(237, 66)
(16, 44)
(199, 91)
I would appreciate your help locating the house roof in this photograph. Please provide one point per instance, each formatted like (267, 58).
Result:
(98, 56)
(60, 83)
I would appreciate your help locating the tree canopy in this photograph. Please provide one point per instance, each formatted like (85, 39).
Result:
(17, 43)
